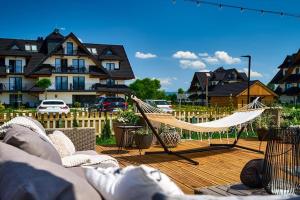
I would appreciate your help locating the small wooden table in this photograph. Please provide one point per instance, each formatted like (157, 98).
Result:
(126, 129)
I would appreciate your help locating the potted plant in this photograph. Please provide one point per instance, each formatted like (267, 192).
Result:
(263, 124)
(143, 138)
(124, 117)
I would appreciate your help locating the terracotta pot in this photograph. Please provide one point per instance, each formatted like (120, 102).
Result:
(128, 137)
(262, 134)
(143, 141)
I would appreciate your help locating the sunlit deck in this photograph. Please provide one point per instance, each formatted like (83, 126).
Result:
(220, 167)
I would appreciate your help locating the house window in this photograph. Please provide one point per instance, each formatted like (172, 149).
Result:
(288, 85)
(78, 82)
(15, 83)
(15, 99)
(297, 70)
(110, 66)
(15, 66)
(109, 52)
(78, 65)
(61, 83)
(30, 47)
(110, 82)
(58, 65)
(70, 48)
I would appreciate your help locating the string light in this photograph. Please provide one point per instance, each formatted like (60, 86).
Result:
(242, 9)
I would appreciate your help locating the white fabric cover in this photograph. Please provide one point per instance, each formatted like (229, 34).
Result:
(130, 183)
(103, 161)
(74, 160)
(62, 143)
(26, 122)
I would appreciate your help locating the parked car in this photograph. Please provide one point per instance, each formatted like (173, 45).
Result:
(109, 104)
(53, 106)
(162, 104)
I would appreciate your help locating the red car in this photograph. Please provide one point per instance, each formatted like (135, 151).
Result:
(109, 104)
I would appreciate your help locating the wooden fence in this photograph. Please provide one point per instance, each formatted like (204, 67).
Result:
(97, 120)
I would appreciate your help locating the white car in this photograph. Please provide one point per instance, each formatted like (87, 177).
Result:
(53, 106)
(162, 104)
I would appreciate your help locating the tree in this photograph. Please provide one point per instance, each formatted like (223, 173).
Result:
(271, 86)
(180, 91)
(147, 89)
(44, 83)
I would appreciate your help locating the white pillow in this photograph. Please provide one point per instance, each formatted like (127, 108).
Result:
(62, 143)
(140, 182)
(75, 160)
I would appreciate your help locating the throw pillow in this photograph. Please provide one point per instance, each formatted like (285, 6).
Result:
(75, 160)
(62, 143)
(30, 142)
(24, 176)
(115, 183)
(251, 174)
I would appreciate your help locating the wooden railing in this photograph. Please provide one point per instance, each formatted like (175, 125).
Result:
(96, 119)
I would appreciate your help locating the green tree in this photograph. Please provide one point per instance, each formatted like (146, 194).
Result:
(271, 86)
(180, 91)
(44, 83)
(147, 89)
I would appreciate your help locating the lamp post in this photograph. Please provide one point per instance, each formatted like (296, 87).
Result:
(249, 70)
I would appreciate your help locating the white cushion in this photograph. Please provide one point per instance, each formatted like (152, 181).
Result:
(62, 143)
(140, 182)
(74, 160)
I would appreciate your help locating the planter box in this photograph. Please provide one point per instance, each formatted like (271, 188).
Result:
(143, 141)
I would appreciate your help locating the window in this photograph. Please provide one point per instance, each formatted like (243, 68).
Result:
(78, 65)
(70, 48)
(15, 66)
(78, 82)
(61, 83)
(15, 83)
(110, 66)
(15, 99)
(297, 70)
(57, 64)
(298, 85)
(109, 52)
(110, 82)
(92, 50)
(288, 85)
(30, 47)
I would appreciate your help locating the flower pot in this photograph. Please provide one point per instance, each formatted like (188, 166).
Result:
(262, 134)
(143, 141)
(128, 137)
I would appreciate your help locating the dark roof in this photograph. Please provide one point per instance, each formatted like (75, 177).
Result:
(292, 78)
(233, 88)
(35, 59)
(277, 77)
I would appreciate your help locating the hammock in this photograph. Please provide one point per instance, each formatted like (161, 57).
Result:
(242, 116)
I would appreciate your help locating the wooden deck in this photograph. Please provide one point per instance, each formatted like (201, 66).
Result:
(220, 167)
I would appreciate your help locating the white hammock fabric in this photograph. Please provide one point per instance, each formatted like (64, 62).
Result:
(246, 114)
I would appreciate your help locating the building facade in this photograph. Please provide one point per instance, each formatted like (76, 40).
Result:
(79, 72)
(287, 79)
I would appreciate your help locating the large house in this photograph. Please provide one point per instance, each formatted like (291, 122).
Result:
(227, 87)
(79, 72)
(287, 79)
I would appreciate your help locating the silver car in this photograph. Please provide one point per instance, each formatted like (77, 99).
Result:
(53, 106)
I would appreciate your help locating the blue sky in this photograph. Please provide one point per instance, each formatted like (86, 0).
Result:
(173, 40)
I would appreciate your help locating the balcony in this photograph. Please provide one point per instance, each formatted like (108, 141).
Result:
(70, 70)
(98, 87)
(10, 87)
(11, 70)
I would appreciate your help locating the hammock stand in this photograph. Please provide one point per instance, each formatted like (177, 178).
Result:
(213, 147)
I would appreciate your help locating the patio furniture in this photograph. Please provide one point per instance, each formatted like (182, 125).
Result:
(126, 130)
(239, 118)
(281, 173)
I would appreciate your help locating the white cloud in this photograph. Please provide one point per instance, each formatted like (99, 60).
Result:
(204, 70)
(166, 81)
(211, 60)
(142, 55)
(203, 54)
(253, 74)
(192, 64)
(224, 57)
(185, 55)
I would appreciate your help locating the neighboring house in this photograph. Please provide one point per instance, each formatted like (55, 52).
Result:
(287, 79)
(227, 87)
(78, 71)
(207, 80)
